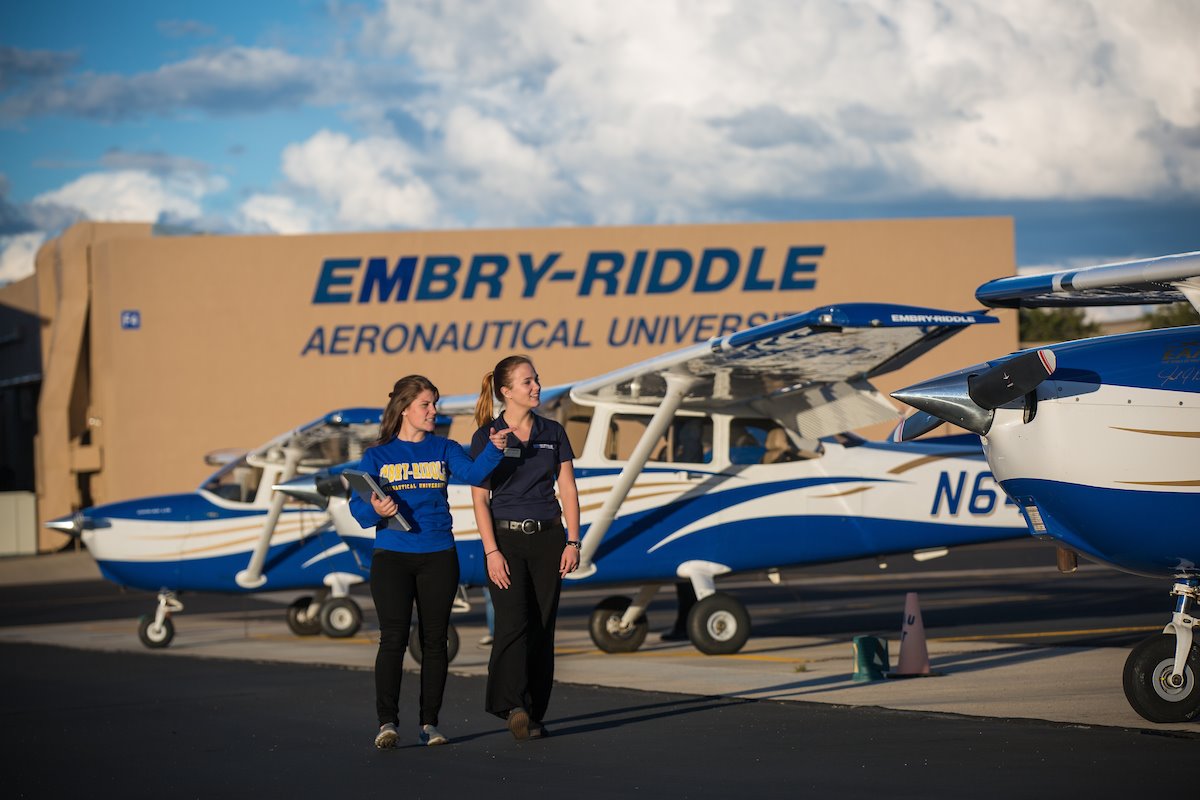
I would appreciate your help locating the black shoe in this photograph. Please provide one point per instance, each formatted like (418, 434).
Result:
(537, 731)
(674, 635)
(518, 724)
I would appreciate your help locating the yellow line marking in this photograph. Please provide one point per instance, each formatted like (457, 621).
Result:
(1045, 634)
(584, 651)
(1188, 434)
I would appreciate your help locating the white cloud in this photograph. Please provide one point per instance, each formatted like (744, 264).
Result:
(133, 195)
(352, 185)
(17, 255)
(646, 106)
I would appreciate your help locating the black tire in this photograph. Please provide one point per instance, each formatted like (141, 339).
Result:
(414, 642)
(340, 617)
(719, 624)
(295, 618)
(152, 636)
(606, 633)
(1145, 679)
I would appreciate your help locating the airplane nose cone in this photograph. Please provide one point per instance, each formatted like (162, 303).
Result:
(948, 398)
(307, 489)
(73, 524)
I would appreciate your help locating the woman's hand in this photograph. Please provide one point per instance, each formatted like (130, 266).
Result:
(497, 569)
(384, 508)
(499, 438)
(569, 562)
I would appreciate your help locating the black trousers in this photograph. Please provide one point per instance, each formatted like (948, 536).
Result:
(396, 580)
(521, 669)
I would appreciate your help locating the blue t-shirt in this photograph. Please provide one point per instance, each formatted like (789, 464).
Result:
(415, 474)
(523, 486)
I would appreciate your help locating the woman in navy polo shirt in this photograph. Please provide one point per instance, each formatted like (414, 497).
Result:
(527, 549)
(413, 466)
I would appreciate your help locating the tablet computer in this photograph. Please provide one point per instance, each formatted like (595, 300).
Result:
(364, 485)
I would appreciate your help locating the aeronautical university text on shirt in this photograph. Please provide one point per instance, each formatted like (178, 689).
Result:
(494, 276)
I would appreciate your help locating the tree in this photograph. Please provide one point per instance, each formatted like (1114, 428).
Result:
(1172, 316)
(1055, 325)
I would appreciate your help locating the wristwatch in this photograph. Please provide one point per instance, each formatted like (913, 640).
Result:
(576, 545)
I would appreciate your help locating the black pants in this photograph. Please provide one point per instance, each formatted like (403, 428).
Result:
(521, 669)
(396, 580)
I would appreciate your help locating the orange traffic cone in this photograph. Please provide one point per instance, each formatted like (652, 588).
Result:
(914, 657)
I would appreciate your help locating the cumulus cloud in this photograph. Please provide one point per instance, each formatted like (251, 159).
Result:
(17, 255)
(682, 110)
(336, 183)
(133, 195)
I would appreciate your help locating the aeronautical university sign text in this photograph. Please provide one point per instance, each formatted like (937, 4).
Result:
(603, 273)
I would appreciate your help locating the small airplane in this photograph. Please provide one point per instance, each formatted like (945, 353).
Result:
(736, 455)
(1098, 442)
(237, 534)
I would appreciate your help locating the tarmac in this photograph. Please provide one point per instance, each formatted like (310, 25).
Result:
(1079, 686)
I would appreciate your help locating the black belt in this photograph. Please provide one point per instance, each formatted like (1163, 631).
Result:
(528, 525)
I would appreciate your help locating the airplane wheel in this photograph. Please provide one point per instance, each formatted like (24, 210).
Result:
(297, 622)
(605, 626)
(1146, 686)
(155, 636)
(414, 643)
(719, 624)
(340, 617)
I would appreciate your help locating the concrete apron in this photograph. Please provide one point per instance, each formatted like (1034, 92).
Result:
(1066, 685)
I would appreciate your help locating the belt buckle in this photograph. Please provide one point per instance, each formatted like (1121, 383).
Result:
(529, 526)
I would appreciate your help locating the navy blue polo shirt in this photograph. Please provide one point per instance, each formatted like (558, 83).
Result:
(523, 486)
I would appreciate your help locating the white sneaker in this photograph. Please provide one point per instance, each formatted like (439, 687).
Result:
(430, 736)
(387, 736)
(486, 640)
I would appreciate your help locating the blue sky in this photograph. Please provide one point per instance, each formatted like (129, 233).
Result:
(1079, 118)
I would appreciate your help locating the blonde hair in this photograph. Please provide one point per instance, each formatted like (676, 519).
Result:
(493, 382)
(403, 393)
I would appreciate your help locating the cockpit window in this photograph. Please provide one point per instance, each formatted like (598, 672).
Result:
(688, 439)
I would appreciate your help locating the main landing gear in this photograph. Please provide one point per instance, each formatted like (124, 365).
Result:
(336, 617)
(1162, 674)
(717, 625)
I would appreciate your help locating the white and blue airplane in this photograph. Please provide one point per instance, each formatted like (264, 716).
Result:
(736, 455)
(1098, 442)
(237, 534)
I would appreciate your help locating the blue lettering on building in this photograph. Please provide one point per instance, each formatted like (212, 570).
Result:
(602, 273)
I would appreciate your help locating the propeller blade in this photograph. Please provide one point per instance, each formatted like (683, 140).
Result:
(1011, 379)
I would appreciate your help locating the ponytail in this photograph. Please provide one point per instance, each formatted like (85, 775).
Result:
(484, 410)
(493, 382)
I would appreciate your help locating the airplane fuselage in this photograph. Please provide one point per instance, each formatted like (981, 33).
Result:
(1111, 458)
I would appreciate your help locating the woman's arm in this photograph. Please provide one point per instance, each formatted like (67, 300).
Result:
(568, 495)
(475, 471)
(494, 561)
(367, 514)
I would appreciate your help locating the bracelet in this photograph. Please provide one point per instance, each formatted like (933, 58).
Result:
(497, 550)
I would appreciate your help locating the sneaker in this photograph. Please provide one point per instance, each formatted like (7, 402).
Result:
(430, 736)
(518, 724)
(387, 736)
(537, 731)
(486, 640)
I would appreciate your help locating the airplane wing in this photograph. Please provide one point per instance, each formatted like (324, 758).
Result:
(1167, 279)
(816, 365)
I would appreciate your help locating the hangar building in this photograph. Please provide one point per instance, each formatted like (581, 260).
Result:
(129, 355)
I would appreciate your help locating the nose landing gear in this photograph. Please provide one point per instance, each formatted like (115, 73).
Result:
(1162, 674)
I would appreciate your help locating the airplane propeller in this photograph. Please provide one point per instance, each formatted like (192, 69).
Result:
(968, 398)
(73, 524)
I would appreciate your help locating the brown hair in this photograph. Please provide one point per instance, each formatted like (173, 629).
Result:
(406, 390)
(492, 383)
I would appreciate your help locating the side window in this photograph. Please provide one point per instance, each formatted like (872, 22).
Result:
(748, 439)
(577, 426)
(688, 440)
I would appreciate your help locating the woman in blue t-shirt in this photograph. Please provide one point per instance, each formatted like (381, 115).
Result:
(527, 548)
(413, 467)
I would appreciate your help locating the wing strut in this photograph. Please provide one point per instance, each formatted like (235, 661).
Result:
(677, 387)
(251, 577)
